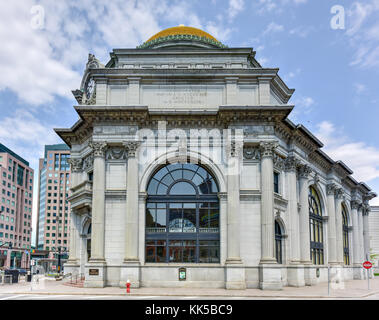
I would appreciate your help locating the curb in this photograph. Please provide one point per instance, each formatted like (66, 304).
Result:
(189, 295)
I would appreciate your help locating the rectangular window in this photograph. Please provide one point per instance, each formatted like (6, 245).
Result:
(276, 182)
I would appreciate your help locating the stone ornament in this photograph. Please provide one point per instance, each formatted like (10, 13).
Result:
(339, 193)
(304, 170)
(88, 162)
(330, 188)
(251, 153)
(76, 164)
(234, 149)
(291, 163)
(267, 148)
(279, 162)
(354, 205)
(116, 153)
(131, 148)
(98, 148)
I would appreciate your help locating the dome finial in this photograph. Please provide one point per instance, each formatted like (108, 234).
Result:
(181, 25)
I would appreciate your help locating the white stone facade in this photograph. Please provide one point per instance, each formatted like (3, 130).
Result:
(146, 106)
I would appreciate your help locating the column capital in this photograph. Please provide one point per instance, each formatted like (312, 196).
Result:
(131, 148)
(339, 194)
(291, 164)
(75, 164)
(304, 171)
(330, 188)
(354, 204)
(98, 148)
(267, 148)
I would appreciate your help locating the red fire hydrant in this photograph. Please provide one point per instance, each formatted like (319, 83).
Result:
(128, 286)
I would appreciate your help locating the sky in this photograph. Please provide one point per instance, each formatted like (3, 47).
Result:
(327, 50)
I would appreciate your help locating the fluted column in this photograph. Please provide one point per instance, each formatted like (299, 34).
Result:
(304, 171)
(360, 224)
(76, 168)
(354, 216)
(290, 166)
(332, 239)
(98, 202)
(267, 202)
(339, 233)
(366, 236)
(233, 202)
(131, 228)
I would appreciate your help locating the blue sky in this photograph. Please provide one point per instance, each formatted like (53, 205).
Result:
(45, 46)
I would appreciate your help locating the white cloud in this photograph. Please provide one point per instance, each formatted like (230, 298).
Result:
(235, 7)
(360, 157)
(359, 88)
(363, 33)
(272, 28)
(303, 106)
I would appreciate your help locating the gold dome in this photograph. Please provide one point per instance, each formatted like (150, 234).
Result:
(182, 30)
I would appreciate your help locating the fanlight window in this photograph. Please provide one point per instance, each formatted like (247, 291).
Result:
(182, 215)
(315, 227)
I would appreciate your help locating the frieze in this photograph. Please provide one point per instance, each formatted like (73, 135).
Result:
(251, 153)
(88, 162)
(116, 153)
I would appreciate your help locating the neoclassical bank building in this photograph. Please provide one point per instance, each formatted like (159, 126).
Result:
(187, 172)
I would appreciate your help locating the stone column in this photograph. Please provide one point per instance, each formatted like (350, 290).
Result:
(360, 235)
(356, 249)
(131, 263)
(97, 261)
(366, 237)
(72, 262)
(235, 273)
(332, 240)
(270, 274)
(339, 233)
(309, 276)
(295, 272)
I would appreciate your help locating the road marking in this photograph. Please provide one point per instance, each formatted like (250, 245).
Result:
(13, 297)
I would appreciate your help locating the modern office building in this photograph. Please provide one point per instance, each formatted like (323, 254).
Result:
(53, 207)
(373, 222)
(187, 172)
(16, 184)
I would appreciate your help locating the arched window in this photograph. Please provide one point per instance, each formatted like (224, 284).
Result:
(345, 230)
(182, 215)
(278, 243)
(316, 227)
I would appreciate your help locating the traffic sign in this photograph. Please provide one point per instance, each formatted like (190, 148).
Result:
(367, 264)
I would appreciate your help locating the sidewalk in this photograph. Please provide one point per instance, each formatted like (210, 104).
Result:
(353, 289)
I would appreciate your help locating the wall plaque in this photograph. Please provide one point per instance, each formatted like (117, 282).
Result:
(93, 272)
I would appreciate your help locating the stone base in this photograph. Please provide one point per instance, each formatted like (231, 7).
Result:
(72, 267)
(270, 277)
(295, 275)
(95, 274)
(358, 272)
(235, 275)
(130, 270)
(310, 276)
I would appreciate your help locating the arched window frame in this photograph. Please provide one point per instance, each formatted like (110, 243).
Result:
(316, 227)
(175, 240)
(278, 242)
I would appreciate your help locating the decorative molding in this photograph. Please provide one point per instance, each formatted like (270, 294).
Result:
(279, 162)
(116, 153)
(354, 204)
(330, 188)
(251, 153)
(291, 163)
(304, 170)
(88, 162)
(339, 193)
(131, 148)
(75, 164)
(267, 148)
(98, 148)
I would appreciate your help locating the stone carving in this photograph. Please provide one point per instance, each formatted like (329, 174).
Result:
(98, 148)
(88, 162)
(354, 205)
(339, 193)
(291, 163)
(279, 162)
(131, 147)
(330, 188)
(267, 148)
(76, 164)
(116, 153)
(251, 153)
(304, 171)
(92, 63)
(92, 100)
